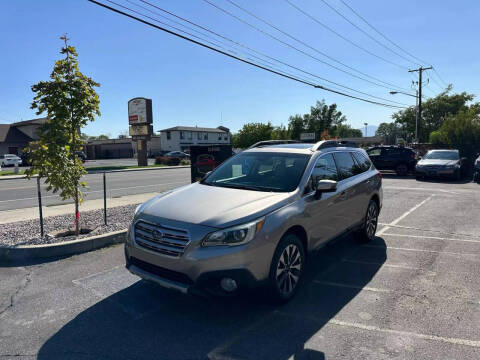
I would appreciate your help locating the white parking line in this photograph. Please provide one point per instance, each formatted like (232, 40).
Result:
(432, 238)
(428, 230)
(396, 266)
(350, 286)
(455, 341)
(421, 250)
(404, 215)
(419, 189)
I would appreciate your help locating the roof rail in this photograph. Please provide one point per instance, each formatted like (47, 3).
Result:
(273, 142)
(333, 143)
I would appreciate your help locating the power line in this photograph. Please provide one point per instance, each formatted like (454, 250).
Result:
(390, 41)
(280, 61)
(285, 43)
(367, 34)
(236, 57)
(381, 34)
(390, 85)
(438, 75)
(343, 37)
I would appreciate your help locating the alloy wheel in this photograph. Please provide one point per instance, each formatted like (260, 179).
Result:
(371, 221)
(289, 268)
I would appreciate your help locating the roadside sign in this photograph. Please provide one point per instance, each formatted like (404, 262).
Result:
(140, 111)
(140, 130)
(307, 136)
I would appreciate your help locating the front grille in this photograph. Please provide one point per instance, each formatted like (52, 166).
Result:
(162, 272)
(161, 239)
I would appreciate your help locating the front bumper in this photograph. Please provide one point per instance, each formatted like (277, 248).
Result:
(437, 172)
(200, 269)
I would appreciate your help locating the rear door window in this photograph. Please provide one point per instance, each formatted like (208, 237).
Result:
(345, 165)
(363, 162)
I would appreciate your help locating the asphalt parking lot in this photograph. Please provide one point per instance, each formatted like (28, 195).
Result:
(413, 293)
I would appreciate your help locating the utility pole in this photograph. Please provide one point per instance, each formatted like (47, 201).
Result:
(419, 109)
(366, 124)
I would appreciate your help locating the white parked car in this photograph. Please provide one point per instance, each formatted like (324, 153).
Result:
(10, 160)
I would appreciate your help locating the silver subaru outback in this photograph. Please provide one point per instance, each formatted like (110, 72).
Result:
(253, 220)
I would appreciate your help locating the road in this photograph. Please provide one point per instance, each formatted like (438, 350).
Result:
(413, 293)
(22, 193)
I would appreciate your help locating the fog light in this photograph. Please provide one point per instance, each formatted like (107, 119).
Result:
(228, 284)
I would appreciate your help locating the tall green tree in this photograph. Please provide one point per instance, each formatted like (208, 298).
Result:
(435, 111)
(346, 131)
(460, 131)
(251, 133)
(70, 102)
(296, 125)
(390, 132)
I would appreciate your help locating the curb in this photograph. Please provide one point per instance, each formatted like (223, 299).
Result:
(67, 248)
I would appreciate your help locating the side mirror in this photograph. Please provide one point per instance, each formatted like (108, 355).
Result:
(325, 186)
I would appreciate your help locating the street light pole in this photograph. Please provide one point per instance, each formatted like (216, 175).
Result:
(418, 106)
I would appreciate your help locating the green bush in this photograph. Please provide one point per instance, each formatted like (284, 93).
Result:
(185, 162)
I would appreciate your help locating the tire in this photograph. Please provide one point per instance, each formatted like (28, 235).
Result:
(286, 269)
(401, 170)
(367, 232)
(458, 175)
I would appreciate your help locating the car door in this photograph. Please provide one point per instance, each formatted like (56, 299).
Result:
(324, 214)
(366, 181)
(350, 188)
(375, 156)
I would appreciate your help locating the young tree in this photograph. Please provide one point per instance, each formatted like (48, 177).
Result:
(251, 133)
(70, 101)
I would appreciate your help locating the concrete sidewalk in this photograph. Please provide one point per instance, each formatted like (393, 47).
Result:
(9, 216)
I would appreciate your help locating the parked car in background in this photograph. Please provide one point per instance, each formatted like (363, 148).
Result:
(177, 154)
(476, 170)
(10, 160)
(253, 220)
(397, 158)
(81, 155)
(440, 163)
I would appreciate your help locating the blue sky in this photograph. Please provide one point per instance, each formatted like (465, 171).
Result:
(190, 85)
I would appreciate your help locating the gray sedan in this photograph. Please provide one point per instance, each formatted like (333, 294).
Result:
(440, 163)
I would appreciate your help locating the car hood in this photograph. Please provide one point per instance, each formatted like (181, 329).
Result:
(424, 162)
(214, 206)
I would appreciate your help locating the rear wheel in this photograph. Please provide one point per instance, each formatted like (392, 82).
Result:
(286, 269)
(367, 232)
(401, 170)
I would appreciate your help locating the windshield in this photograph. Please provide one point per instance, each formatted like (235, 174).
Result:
(442, 155)
(260, 171)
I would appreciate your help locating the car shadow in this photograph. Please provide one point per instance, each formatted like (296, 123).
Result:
(464, 180)
(144, 321)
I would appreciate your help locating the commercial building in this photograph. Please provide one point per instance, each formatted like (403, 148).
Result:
(16, 136)
(180, 138)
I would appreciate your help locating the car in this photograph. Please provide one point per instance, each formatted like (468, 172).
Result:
(177, 154)
(205, 163)
(252, 221)
(10, 160)
(81, 155)
(397, 158)
(476, 169)
(440, 163)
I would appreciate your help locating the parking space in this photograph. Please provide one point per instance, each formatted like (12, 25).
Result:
(412, 293)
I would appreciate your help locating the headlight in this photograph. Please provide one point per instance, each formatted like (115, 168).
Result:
(236, 235)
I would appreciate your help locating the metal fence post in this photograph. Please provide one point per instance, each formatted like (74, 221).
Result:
(40, 205)
(104, 199)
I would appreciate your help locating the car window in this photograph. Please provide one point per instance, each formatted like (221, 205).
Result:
(374, 152)
(324, 169)
(260, 171)
(345, 165)
(363, 162)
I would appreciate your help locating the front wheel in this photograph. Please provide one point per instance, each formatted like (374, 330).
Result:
(367, 232)
(401, 170)
(287, 268)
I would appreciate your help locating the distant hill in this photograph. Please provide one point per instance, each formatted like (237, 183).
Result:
(370, 130)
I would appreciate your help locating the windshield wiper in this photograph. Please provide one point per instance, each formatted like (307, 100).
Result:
(240, 186)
